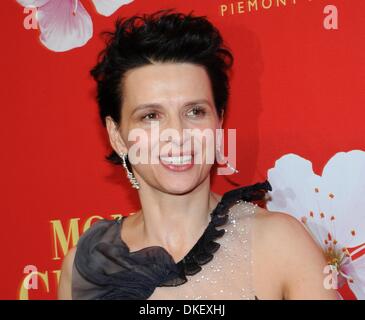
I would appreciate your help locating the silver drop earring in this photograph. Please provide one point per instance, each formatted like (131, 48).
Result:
(130, 174)
(227, 163)
(231, 167)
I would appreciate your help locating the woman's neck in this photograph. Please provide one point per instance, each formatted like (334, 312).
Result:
(175, 222)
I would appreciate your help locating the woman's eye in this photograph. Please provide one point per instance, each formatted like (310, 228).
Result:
(150, 116)
(196, 111)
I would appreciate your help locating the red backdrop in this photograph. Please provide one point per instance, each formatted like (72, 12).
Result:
(296, 88)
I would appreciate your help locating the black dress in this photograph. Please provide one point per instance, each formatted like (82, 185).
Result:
(218, 266)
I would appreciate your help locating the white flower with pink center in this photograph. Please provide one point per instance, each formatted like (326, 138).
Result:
(65, 24)
(331, 206)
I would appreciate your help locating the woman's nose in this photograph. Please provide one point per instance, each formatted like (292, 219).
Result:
(176, 126)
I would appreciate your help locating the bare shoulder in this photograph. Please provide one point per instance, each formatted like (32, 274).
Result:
(287, 233)
(64, 288)
(279, 224)
(284, 248)
(283, 235)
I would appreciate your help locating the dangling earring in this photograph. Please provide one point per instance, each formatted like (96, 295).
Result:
(231, 167)
(130, 174)
(220, 156)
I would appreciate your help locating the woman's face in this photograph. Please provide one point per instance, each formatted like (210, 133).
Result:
(171, 97)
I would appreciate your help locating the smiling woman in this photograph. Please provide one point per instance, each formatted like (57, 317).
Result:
(185, 242)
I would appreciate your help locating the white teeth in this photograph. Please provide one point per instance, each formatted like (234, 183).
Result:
(177, 160)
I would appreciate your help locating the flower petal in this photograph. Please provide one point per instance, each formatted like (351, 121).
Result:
(335, 199)
(356, 269)
(32, 3)
(293, 183)
(108, 7)
(289, 179)
(344, 178)
(64, 27)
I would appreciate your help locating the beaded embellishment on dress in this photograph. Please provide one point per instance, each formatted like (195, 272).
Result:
(228, 275)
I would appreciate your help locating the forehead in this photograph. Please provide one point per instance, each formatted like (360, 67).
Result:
(166, 83)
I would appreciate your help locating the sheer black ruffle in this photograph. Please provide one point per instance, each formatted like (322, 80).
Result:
(103, 259)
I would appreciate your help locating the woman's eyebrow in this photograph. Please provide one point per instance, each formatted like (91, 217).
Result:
(159, 106)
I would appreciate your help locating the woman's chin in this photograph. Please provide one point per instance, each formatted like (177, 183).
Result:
(178, 183)
(178, 189)
(178, 180)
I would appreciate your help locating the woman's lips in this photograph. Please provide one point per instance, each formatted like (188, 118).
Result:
(177, 163)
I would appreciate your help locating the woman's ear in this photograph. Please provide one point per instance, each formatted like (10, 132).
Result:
(115, 137)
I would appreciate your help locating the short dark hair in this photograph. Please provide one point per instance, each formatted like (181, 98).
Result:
(163, 36)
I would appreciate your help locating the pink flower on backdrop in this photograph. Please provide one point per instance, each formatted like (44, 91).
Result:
(331, 206)
(65, 24)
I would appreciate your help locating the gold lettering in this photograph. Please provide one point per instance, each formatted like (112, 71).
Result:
(24, 291)
(223, 8)
(58, 275)
(116, 216)
(266, 6)
(60, 236)
(252, 3)
(240, 7)
(87, 223)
